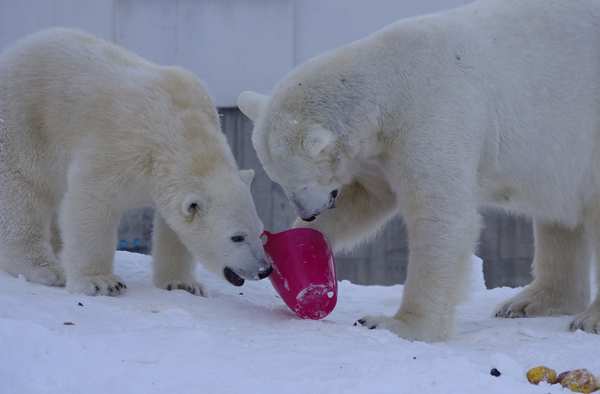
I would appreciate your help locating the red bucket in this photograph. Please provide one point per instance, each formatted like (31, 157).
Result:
(303, 271)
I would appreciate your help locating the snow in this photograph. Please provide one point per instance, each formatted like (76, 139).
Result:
(245, 340)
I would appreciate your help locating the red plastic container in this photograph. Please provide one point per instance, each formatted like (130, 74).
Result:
(303, 271)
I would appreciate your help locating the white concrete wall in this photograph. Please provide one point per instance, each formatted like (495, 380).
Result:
(232, 45)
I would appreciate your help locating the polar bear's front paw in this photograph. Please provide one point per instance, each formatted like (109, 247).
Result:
(52, 275)
(412, 329)
(40, 271)
(373, 322)
(94, 285)
(49, 275)
(588, 321)
(191, 287)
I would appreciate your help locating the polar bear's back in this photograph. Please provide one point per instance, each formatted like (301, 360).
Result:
(54, 85)
(59, 51)
(61, 89)
(70, 71)
(67, 95)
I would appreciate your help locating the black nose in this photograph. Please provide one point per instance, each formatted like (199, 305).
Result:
(264, 274)
(334, 193)
(310, 219)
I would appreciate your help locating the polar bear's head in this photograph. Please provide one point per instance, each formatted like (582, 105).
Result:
(298, 153)
(216, 219)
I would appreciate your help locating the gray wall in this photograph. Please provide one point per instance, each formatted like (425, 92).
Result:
(506, 243)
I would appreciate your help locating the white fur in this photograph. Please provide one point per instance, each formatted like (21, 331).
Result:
(89, 130)
(493, 104)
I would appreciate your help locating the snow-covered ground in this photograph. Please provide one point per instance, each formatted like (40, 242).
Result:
(245, 340)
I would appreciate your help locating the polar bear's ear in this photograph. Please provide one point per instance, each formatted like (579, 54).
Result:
(247, 176)
(251, 103)
(316, 140)
(192, 203)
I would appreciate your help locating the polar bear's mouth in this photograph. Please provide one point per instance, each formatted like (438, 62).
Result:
(330, 205)
(232, 277)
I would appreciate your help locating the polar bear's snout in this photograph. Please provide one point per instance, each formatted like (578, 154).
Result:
(304, 203)
(265, 273)
(236, 278)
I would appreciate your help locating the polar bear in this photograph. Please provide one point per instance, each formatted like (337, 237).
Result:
(493, 104)
(88, 130)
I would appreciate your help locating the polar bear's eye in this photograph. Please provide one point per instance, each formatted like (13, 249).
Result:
(238, 238)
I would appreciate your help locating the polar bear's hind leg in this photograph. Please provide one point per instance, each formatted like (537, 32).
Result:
(25, 231)
(561, 283)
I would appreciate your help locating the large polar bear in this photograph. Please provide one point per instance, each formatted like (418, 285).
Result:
(493, 104)
(88, 130)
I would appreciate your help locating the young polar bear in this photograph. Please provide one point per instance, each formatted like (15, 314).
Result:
(493, 104)
(89, 130)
